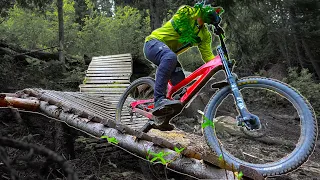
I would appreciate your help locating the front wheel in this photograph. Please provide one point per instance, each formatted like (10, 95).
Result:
(289, 133)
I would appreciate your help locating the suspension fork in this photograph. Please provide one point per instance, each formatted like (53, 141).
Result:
(246, 119)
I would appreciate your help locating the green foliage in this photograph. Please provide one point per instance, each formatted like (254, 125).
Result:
(239, 175)
(207, 122)
(111, 140)
(4, 6)
(223, 164)
(34, 4)
(303, 82)
(264, 32)
(160, 157)
(28, 29)
(32, 30)
(85, 80)
(123, 33)
(177, 150)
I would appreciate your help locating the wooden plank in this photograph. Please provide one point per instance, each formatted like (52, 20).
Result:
(110, 58)
(113, 60)
(126, 65)
(108, 86)
(107, 81)
(110, 93)
(106, 90)
(101, 94)
(107, 96)
(106, 78)
(126, 120)
(112, 64)
(108, 68)
(108, 75)
(125, 60)
(120, 71)
(114, 56)
(115, 71)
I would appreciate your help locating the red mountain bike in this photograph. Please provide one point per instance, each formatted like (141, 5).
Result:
(257, 105)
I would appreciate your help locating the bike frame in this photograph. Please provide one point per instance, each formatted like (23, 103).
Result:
(200, 78)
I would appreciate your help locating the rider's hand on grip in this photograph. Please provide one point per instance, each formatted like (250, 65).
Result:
(216, 19)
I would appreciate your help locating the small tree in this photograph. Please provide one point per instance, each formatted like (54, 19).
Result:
(61, 33)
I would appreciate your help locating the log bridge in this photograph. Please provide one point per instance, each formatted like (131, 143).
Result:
(92, 110)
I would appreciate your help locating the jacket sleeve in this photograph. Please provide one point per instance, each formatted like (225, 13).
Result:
(205, 46)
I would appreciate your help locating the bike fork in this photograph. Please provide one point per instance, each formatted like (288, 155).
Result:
(250, 121)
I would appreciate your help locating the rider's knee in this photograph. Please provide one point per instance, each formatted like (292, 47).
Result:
(171, 58)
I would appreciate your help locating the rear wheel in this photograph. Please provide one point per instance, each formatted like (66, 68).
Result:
(288, 133)
(140, 89)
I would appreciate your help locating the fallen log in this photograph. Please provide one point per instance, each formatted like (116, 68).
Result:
(39, 54)
(23, 54)
(26, 104)
(139, 143)
(185, 165)
(190, 166)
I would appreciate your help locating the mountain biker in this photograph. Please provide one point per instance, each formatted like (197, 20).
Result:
(187, 28)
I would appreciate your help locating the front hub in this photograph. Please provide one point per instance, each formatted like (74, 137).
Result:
(250, 121)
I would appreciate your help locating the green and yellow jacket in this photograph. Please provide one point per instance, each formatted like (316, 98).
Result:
(182, 29)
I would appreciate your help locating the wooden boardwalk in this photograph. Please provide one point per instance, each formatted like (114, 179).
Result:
(107, 78)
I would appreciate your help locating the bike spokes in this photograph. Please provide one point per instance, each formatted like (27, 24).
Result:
(279, 133)
(139, 100)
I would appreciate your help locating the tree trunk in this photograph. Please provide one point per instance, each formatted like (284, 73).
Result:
(61, 33)
(156, 14)
(296, 41)
(295, 36)
(314, 62)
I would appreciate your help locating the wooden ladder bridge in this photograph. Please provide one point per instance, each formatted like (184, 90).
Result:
(93, 110)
